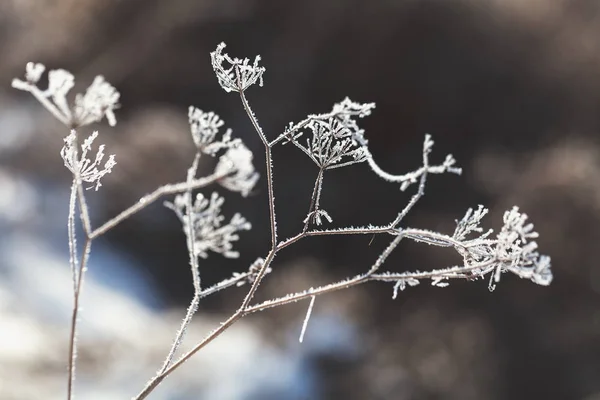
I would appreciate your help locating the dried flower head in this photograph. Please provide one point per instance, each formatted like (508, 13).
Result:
(239, 75)
(336, 139)
(205, 127)
(209, 233)
(82, 167)
(99, 101)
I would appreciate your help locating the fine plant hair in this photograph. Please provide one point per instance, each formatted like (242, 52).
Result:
(331, 140)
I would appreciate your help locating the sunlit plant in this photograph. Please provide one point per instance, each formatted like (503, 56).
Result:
(331, 140)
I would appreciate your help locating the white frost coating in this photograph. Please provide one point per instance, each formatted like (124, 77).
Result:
(209, 231)
(408, 179)
(82, 167)
(308, 314)
(205, 127)
(238, 161)
(99, 101)
(239, 75)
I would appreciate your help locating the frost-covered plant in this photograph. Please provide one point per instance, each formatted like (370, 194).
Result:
(331, 140)
(99, 101)
(209, 233)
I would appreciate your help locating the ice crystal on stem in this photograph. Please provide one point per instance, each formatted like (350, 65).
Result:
(207, 221)
(336, 139)
(84, 168)
(239, 74)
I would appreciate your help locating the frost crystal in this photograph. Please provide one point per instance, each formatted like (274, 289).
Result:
(99, 101)
(207, 221)
(82, 167)
(237, 164)
(205, 127)
(239, 75)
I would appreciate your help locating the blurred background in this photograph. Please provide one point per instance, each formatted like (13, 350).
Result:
(511, 88)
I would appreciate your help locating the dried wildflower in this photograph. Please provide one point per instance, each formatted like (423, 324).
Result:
(239, 75)
(209, 233)
(205, 127)
(82, 167)
(513, 249)
(517, 252)
(333, 144)
(336, 139)
(99, 101)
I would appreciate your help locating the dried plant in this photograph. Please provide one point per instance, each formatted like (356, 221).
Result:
(331, 140)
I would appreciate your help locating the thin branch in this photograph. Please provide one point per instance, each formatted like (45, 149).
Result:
(74, 318)
(152, 197)
(154, 382)
(314, 199)
(39, 95)
(72, 237)
(269, 167)
(268, 160)
(306, 318)
(190, 233)
(448, 273)
(290, 133)
(84, 211)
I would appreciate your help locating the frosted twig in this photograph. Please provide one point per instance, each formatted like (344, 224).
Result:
(269, 173)
(409, 178)
(190, 234)
(75, 316)
(306, 318)
(313, 208)
(99, 100)
(150, 198)
(72, 238)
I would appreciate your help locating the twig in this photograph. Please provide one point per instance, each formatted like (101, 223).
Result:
(152, 197)
(190, 233)
(306, 318)
(74, 318)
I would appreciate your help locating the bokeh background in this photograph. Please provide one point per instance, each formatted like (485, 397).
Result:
(511, 88)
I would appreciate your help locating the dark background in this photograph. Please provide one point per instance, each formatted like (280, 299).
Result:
(510, 88)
